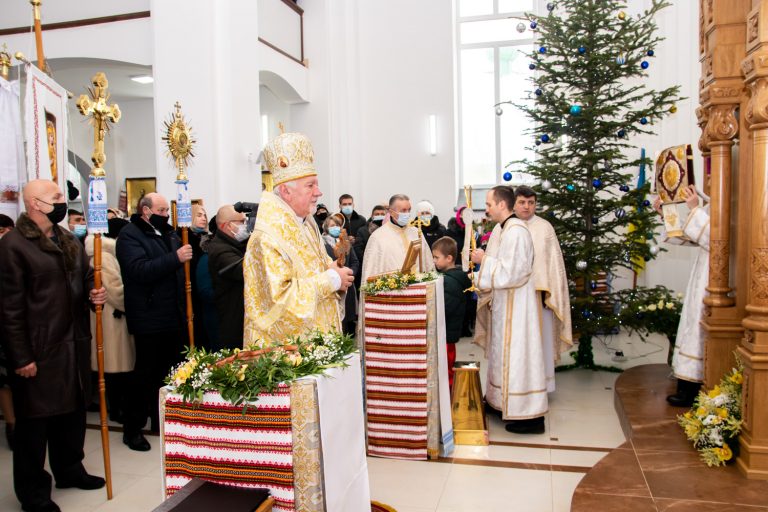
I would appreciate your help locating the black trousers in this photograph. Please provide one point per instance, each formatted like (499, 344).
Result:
(63, 436)
(156, 354)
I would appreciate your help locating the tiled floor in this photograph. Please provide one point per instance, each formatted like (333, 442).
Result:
(535, 473)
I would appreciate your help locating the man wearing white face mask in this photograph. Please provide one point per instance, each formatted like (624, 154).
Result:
(353, 221)
(225, 264)
(388, 245)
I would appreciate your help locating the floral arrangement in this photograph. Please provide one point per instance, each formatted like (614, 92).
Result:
(396, 281)
(241, 375)
(714, 422)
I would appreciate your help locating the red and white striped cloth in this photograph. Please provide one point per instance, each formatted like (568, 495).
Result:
(396, 373)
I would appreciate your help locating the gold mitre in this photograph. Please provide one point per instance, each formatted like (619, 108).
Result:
(289, 157)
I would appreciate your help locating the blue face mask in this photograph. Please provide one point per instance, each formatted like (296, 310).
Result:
(403, 219)
(347, 210)
(198, 230)
(334, 231)
(426, 219)
(80, 231)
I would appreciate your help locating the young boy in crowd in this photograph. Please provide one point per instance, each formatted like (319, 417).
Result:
(455, 281)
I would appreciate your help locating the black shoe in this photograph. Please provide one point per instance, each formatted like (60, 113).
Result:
(136, 442)
(85, 482)
(10, 432)
(685, 395)
(47, 506)
(531, 426)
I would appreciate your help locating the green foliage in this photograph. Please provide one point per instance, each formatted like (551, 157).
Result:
(242, 380)
(599, 224)
(396, 281)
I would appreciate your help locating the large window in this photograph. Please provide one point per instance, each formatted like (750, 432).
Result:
(492, 68)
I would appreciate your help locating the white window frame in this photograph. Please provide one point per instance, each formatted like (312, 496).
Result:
(539, 6)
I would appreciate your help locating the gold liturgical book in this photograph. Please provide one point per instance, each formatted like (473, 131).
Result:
(674, 172)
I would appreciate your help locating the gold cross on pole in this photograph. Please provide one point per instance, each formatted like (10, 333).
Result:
(5, 62)
(101, 113)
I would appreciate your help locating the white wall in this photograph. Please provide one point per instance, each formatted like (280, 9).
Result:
(134, 141)
(375, 76)
(276, 110)
(18, 13)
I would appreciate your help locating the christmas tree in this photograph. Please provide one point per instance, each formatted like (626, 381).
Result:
(588, 100)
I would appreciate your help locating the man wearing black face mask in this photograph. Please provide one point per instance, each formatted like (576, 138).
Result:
(151, 261)
(45, 284)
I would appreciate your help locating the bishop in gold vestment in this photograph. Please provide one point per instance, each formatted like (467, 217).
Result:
(290, 282)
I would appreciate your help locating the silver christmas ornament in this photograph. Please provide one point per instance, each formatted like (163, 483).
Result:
(546, 185)
(521, 27)
(655, 250)
(499, 111)
(581, 265)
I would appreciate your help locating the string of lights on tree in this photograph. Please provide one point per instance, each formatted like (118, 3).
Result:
(588, 98)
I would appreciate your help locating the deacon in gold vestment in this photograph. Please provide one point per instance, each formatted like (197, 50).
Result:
(291, 283)
(551, 282)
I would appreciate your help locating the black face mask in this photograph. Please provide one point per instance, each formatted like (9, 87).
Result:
(58, 213)
(377, 222)
(158, 221)
(321, 217)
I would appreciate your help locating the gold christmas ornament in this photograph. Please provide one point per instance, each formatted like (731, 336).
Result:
(673, 109)
(622, 15)
(179, 139)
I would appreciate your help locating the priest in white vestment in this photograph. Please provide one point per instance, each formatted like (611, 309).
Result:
(551, 282)
(517, 384)
(388, 245)
(688, 357)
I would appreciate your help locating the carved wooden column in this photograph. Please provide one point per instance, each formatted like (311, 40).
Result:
(722, 93)
(753, 458)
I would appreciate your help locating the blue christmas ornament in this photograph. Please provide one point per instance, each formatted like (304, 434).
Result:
(595, 220)
(621, 133)
(542, 49)
(649, 53)
(531, 66)
(586, 313)
(538, 142)
(644, 64)
(644, 120)
(575, 110)
(507, 176)
(550, 6)
(621, 59)
(570, 187)
(646, 203)
(534, 25)
(593, 285)
(597, 183)
(624, 188)
(621, 213)
(538, 92)
(545, 138)
(582, 50)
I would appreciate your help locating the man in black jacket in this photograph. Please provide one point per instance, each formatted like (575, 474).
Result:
(352, 220)
(45, 284)
(151, 261)
(225, 263)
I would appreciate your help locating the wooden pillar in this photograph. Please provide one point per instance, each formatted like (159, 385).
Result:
(722, 93)
(753, 457)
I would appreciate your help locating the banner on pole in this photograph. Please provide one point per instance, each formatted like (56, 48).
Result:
(183, 204)
(12, 169)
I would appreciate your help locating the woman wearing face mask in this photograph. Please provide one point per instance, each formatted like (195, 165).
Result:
(434, 229)
(198, 239)
(331, 232)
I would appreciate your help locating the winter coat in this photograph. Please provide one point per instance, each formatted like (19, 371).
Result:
(119, 347)
(205, 299)
(455, 281)
(350, 302)
(224, 251)
(153, 277)
(434, 231)
(44, 288)
(353, 223)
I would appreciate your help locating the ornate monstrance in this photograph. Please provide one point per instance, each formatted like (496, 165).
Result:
(178, 137)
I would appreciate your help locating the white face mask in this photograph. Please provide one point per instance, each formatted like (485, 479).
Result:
(241, 232)
(403, 218)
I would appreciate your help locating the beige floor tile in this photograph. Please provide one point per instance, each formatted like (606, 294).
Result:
(576, 458)
(407, 483)
(504, 453)
(144, 495)
(490, 489)
(591, 428)
(563, 485)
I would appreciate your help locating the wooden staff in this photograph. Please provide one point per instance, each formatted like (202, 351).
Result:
(38, 34)
(188, 289)
(100, 113)
(100, 363)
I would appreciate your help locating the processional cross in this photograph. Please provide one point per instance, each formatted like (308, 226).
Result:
(101, 113)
